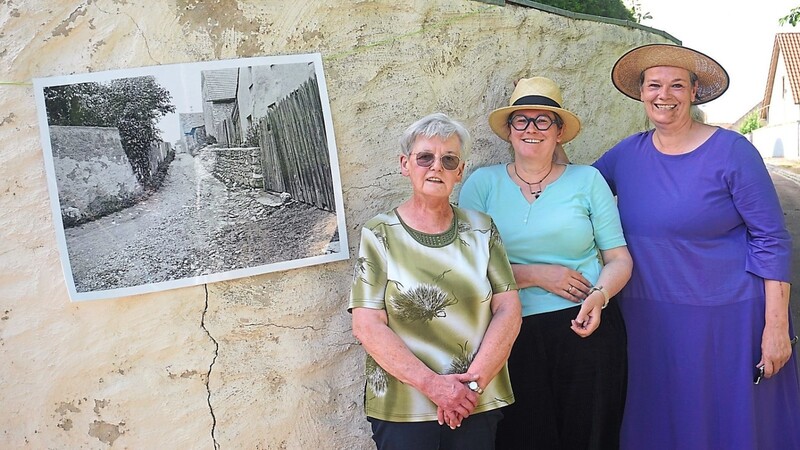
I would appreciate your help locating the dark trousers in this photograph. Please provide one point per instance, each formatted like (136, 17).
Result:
(476, 432)
(569, 391)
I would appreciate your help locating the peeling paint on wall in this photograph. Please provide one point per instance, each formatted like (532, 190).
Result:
(68, 24)
(105, 432)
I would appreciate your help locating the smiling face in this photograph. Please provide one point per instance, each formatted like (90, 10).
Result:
(667, 94)
(434, 181)
(532, 141)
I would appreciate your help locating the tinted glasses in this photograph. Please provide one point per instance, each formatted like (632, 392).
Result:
(449, 161)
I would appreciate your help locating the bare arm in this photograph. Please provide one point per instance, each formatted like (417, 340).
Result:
(775, 346)
(448, 392)
(499, 337)
(615, 274)
(559, 280)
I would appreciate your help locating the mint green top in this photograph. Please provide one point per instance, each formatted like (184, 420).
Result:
(438, 301)
(574, 218)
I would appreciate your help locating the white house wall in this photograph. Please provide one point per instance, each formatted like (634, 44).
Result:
(261, 86)
(777, 141)
(783, 107)
(779, 137)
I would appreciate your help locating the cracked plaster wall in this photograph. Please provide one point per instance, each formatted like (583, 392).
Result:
(266, 361)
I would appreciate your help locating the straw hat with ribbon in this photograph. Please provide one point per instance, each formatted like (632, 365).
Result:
(535, 93)
(712, 79)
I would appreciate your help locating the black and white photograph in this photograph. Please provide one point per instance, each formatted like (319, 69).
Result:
(177, 175)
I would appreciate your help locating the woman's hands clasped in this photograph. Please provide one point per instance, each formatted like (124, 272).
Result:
(454, 400)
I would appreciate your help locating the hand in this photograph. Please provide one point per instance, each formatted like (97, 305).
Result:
(776, 349)
(588, 318)
(564, 282)
(454, 400)
(452, 420)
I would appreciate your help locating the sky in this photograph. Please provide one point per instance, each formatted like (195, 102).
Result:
(183, 83)
(738, 35)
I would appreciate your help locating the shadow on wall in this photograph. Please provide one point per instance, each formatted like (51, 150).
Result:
(777, 149)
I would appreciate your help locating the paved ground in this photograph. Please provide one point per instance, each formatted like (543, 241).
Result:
(786, 176)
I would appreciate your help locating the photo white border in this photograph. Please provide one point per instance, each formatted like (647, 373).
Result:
(315, 58)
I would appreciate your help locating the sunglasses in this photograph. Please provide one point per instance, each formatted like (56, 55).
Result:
(449, 161)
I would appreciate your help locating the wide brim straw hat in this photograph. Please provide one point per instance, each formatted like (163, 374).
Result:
(712, 79)
(535, 93)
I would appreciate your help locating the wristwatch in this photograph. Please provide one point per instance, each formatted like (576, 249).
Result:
(473, 386)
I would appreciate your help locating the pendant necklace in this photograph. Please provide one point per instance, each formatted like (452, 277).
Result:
(535, 194)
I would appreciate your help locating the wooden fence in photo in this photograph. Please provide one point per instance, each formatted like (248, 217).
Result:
(295, 150)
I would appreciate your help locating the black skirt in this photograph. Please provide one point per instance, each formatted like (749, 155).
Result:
(569, 391)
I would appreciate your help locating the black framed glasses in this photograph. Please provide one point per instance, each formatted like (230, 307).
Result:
(542, 122)
(449, 161)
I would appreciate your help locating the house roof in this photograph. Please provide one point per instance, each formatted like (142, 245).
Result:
(220, 84)
(788, 45)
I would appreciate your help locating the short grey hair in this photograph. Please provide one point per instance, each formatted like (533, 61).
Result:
(436, 125)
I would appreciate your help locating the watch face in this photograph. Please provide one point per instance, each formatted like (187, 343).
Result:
(473, 385)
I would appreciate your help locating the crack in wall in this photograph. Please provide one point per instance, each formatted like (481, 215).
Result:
(208, 374)
(136, 24)
(373, 184)
(276, 325)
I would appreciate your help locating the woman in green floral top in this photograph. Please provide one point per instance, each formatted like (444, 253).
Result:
(435, 305)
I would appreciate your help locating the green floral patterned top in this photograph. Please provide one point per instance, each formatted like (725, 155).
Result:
(437, 291)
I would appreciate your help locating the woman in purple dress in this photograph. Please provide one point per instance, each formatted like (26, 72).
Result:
(707, 307)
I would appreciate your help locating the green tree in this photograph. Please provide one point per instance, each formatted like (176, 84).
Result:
(750, 123)
(793, 17)
(636, 12)
(614, 9)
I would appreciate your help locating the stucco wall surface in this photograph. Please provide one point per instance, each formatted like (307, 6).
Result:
(269, 361)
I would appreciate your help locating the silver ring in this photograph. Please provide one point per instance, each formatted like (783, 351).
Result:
(569, 291)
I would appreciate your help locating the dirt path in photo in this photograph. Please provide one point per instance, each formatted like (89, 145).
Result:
(193, 226)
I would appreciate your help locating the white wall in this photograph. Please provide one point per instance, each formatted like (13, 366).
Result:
(778, 141)
(782, 107)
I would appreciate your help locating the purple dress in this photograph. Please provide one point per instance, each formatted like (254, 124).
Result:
(704, 229)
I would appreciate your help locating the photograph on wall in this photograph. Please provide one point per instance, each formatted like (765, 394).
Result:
(178, 175)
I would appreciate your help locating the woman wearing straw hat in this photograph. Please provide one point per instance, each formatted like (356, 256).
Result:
(709, 338)
(567, 367)
(435, 306)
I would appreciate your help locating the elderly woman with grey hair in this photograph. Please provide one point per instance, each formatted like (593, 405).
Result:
(435, 305)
